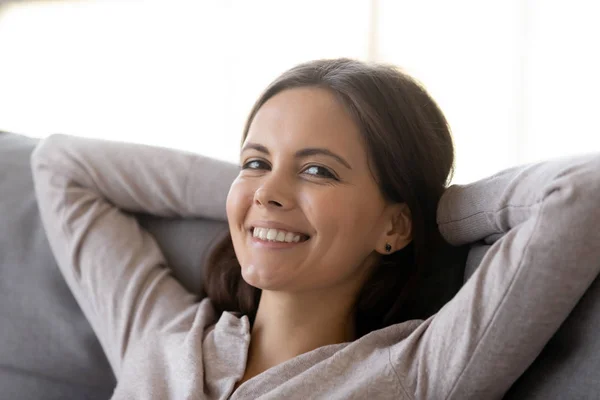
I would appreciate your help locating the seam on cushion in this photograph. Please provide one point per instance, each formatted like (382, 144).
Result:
(519, 269)
(491, 212)
(406, 392)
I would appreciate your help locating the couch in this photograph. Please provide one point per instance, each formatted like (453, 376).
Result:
(49, 351)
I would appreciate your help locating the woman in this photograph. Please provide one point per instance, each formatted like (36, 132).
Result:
(332, 220)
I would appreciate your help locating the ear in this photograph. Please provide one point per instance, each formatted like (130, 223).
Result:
(398, 229)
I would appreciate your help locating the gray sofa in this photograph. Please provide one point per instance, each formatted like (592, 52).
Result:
(48, 349)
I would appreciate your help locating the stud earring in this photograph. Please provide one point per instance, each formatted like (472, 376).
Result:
(388, 247)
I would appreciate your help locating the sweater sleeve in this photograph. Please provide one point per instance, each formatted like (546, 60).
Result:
(115, 269)
(548, 254)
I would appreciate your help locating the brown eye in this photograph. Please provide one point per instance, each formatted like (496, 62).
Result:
(321, 172)
(255, 164)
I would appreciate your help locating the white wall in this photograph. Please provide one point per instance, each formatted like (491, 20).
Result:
(517, 79)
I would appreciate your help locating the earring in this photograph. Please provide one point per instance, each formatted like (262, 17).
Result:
(388, 247)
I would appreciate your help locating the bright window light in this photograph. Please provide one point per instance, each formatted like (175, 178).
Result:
(515, 85)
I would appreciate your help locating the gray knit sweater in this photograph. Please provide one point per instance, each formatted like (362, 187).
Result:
(163, 343)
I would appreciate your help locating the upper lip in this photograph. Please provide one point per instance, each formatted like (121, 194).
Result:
(275, 225)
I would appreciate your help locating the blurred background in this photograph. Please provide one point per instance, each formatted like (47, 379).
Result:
(517, 79)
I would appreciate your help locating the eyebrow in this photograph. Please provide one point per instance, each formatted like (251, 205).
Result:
(311, 151)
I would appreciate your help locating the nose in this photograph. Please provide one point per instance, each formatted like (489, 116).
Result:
(274, 193)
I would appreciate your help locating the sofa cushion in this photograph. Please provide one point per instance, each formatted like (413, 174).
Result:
(47, 348)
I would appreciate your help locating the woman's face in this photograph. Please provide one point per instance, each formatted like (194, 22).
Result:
(305, 213)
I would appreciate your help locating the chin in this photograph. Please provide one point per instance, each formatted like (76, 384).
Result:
(262, 278)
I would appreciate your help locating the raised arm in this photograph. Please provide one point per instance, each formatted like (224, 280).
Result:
(480, 342)
(114, 268)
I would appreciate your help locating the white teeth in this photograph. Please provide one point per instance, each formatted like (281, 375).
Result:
(271, 234)
(288, 237)
(280, 236)
(263, 234)
(275, 235)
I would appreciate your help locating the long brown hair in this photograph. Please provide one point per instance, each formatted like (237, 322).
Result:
(411, 156)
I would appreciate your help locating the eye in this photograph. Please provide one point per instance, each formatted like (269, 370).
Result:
(255, 164)
(322, 172)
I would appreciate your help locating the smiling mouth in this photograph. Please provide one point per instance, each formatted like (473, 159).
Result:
(277, 235)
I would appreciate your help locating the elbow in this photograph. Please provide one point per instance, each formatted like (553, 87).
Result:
(578, 185)
(45, 152)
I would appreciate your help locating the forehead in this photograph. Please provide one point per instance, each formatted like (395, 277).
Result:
(306, 117)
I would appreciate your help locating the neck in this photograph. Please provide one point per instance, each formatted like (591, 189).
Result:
(290, 324)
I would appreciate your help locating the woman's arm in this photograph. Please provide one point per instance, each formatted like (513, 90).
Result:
(527, 284)
(114, 268)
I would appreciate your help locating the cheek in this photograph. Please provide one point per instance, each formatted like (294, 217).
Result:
(239, 199)
(353, 216)
(335, 215)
